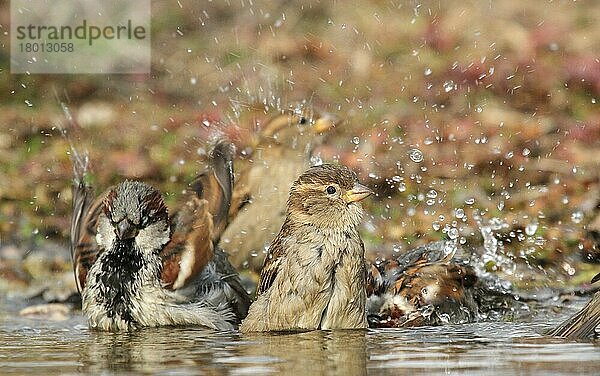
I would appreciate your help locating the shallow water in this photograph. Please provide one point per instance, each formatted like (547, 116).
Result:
(30, 346)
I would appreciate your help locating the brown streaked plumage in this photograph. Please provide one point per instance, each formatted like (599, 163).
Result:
(136, 266)
(280, 153)
(314, 274)
(425, 286)
(585, 323)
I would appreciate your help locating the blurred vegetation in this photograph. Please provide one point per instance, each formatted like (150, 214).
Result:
(501, 98)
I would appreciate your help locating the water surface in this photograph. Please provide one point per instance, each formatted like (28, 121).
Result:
(30, 346)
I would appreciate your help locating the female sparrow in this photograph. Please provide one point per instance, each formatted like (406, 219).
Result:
(424, 286)
(135, 266)
(314, 274)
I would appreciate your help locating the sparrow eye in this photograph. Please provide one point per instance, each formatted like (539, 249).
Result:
(331, 190)
(302, 120)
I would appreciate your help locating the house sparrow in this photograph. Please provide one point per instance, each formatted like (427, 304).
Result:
(136, 266)
(314, 274)
(585, 323)
(281, 151)
(424, 286)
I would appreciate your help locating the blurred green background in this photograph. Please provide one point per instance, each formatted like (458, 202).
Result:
(500, 97)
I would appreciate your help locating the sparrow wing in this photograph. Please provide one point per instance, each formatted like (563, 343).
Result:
(215, 185)
(272, 261)
(84, 249)
(197, 225)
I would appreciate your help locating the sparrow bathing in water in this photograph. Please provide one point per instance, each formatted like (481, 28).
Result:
(136, 266)
(435, 284)
(424, 286)
(314, 273)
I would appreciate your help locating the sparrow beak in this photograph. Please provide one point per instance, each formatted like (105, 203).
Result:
(357, 193)
(126, 230)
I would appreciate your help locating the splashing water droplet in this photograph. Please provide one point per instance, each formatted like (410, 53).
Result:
(453, 233)
(449, 86)
(459, 213)
(316, 160)
(501, 205)
(568, 268)
(531, 228)
(577, 216)
(415, 155)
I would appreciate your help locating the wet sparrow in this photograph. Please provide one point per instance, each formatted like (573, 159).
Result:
(424, 286)
(280, 153)
(136, 266)
(314, 274)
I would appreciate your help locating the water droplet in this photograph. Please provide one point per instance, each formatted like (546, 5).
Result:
(193, 80)
(427, 71)
(459, 213)
(432, 193)
(401, 187)
(415, 155)
(526, 152)
(531, 228)
(449, 86)
(316, 160)
(577, 216)
(470, 201)
(355, 140)
(453, 233)
(568, 268)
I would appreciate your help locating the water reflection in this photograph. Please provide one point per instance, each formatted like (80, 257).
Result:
(167, 349)
(317, 352)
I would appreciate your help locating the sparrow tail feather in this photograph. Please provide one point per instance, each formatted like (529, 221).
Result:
(583, 324)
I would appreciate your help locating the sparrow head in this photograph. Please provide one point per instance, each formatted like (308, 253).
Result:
(134, 211)
(288, 125)
(327, 196)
